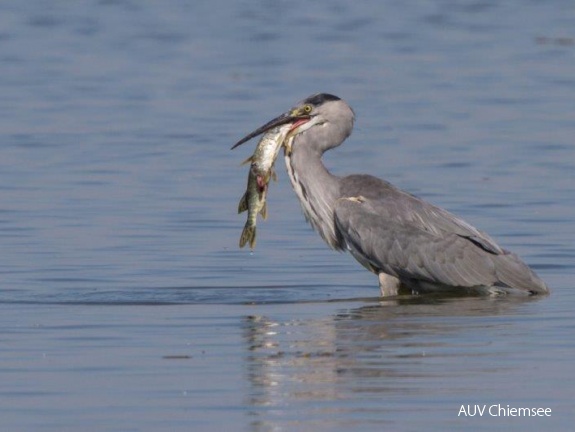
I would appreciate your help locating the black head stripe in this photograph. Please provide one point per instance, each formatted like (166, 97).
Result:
(320, 98)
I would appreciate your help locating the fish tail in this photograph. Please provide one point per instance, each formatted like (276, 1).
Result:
(248, 235)
(243, 204)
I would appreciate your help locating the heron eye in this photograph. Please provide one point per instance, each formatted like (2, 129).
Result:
(307, 109)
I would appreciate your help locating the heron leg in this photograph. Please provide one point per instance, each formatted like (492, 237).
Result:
(388, 285)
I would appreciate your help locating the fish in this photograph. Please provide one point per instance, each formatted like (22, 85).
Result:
(254, 201)
(260, 173)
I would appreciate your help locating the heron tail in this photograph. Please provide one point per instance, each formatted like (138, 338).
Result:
(514, 273)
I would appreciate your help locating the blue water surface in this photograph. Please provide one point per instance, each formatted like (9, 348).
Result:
(125, 302)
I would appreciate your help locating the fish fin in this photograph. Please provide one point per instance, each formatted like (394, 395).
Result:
(243, 204)
(248, 235)
(248, 160)
(264, 211)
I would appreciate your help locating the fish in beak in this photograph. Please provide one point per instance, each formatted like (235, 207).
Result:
(296, 116)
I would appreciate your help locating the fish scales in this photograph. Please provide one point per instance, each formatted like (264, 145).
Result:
(261, 171)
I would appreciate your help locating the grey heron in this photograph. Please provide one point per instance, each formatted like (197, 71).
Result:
(407, 242)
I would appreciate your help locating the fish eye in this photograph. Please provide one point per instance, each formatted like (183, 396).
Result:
(307, 108)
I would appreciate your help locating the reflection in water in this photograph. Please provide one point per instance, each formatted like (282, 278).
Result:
(378, 355)
(291, 352)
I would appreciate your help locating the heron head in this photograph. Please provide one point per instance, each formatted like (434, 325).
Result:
(313, 114)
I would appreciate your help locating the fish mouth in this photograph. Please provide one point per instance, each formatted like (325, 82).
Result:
(293, 116)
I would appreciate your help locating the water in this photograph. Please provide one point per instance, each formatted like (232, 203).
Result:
(125, 302)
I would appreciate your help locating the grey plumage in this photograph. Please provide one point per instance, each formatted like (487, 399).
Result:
(406, 241)
(420, 244)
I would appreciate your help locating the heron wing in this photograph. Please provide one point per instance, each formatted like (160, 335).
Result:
(409, 252)
(394, 205)
(402, 235)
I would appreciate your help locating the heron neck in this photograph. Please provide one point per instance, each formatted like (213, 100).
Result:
(316, 188)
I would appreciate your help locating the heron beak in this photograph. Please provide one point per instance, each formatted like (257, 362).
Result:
(294, 116)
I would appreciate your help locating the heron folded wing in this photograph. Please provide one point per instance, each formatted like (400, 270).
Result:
(402, 207)
(407, 251)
